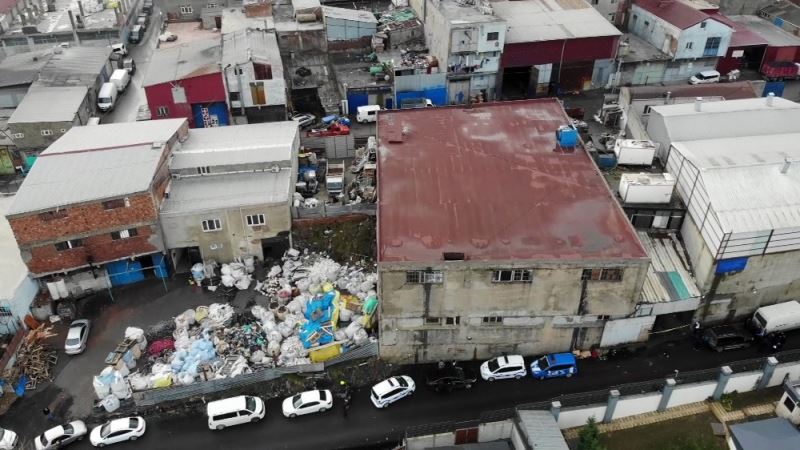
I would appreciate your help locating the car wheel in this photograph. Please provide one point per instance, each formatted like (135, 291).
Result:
(254, 420)
(468, 386)
(322, 410)
(569, 375)
(220, 427)
(101, 445)
(718, 349)
(491, 379)
(517, 376)
(133, 438)
(292, 416)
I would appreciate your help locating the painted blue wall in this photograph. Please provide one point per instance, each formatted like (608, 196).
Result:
(124, 272)
(218, 108)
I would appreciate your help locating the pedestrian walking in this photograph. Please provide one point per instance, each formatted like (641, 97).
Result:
(49, 414)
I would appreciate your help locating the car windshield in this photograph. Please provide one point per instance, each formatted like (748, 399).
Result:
(323, 396)
(402, 381)
(543, 364)
(73, 341)
(105, 429)
(296, 401)
(493, 365)
(42, 439)
(133, 423)
(105, 99)
(68, 429)
(250, 403)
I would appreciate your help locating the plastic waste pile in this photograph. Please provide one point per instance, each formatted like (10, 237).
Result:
(238, 273)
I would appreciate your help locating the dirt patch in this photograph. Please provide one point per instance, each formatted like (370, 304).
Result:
(668, 435)
(346, 239)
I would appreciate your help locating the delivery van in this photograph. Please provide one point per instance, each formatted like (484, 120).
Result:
(107, 97)
(780, 317)
(367, 113)
(137, 33)
(120, 78)
(235, 411)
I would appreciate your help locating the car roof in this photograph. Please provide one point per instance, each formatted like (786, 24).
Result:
(121, 424)
(508, 360)
(722, 330)
(561, 358)
(53, 433)
(74, 332)
(387, 384)
(233, 403)
(709, 73)
(310, 395)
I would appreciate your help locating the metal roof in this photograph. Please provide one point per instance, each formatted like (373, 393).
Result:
(775, 434)
(541, 430)
(775, 37)
(742, 35)
(96, 162)
(214, 192)
(74, 65)
(22, 68)
(355, 15)
(252, 45)
(668, 278)
(675, 12)
(550, 20)
(50, 104)
(234, 19)
(238, 144)
(488, 182)
(729, 91)
(192, 59)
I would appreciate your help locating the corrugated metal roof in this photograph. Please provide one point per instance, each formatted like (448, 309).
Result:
(74, 65)
(675, 12)
(50, 104)
(668, 278)
(773, 434)
(234, 19)
(729, 91)
(776, 37)
(488, 182)
(251, 45)
(92, 163)
(22, 68)
(239, 144)
(192, 59)
(355, 15)
(541, 430)
(550, 20)
(742, 35)
(214, 192)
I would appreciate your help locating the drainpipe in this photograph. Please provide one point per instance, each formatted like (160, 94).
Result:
(238, 73)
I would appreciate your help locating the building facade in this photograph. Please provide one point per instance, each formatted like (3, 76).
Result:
(45, 114)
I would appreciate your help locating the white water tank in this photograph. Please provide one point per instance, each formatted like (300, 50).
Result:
(62, 288)
(646, 187)
(53, 289)
(632, 152)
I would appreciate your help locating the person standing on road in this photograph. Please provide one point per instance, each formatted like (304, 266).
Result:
(49, 414)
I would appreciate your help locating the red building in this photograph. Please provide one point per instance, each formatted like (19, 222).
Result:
(185, 81)
(551, 50)
(756, 42)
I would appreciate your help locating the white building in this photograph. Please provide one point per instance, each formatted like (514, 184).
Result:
(17, 289)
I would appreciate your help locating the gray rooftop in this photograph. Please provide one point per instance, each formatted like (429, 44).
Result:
(214, 192)
(50, 104)
(550, 20)
(776, 37)
(639, 50)
(74, 65)
(457, 14)
(354, 15)
(239, 144)
(667, 277)
(251, 45)
(22, 68)
(302, 5)
(541, 430)
(773, 434)
(785, 10)
(83, 165)
(234, 19)
(192, 59)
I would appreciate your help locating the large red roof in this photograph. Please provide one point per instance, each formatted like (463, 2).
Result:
(675, 12)
(486, 181)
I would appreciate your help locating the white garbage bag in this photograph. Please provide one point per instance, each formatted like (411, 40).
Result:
(110, 403)
(101, 390)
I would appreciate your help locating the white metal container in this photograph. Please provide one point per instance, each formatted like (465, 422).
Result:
(631, 152)
(646, 187)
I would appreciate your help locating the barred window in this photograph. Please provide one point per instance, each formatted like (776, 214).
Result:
(612, 274)
(512, 276)
(423, 277)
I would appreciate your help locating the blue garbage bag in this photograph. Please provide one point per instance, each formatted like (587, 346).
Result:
(20, 389)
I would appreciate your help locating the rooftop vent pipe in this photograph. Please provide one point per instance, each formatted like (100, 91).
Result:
(698, 104)
(786, 164)
(770, 99)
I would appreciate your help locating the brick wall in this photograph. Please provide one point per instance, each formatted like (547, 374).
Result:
(83, 220)
(101, 248)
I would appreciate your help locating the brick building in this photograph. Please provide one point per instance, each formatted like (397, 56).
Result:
(88, 210)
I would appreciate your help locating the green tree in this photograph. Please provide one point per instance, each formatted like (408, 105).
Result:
(589, 437)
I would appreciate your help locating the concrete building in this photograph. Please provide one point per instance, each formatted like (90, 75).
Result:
(734, 162)
(769, 43)
(17, 289)
(231, 193)
(468, 42)
(78, 66)
(522, 249)
(616, 11)
(87, 212)
(348, 29)
(46, 114)
(17, 73)
(694, 39)
(402, 28)
(554, 47)
(783, 14)
(186, 81)
(254, 75)
(190, 10)
(415, 76)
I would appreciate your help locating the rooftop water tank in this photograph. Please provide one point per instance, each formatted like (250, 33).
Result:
(567, 136)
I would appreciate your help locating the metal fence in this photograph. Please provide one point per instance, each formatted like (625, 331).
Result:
(334, 210)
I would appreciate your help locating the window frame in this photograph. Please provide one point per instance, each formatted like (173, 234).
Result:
(46, 132)
(204, 224)
(203, 170)
(424, 277)
(48, 216)
(115, 203)
(162, 111)
(492, 320)
(610, 274)
(18, 136)
(256, 220)
(514, 276)
(493, 36)
(124, 234)
(69, 244)
(186, 9)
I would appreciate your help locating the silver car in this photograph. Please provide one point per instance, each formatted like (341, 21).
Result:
(76, 337)
(304, 119)
(61, 435)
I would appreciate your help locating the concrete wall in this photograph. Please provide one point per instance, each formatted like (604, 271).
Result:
(636, 404)
(24, 294)
(33, 138)
(537, 317)
(691, 393)
(437, 34)
(662, 35)
(784, 371)
(493, 431)
(577, 417)
(742, 382)
(430, 441)
(697, 35)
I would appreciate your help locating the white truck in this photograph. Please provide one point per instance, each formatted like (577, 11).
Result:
(120, 78)
(334, 178)
(780, 317)
(107, 97)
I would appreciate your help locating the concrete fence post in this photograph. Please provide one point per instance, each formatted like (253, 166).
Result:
(555, 410)
(722, 381)
(768, 371)
(666, 393)
(613, 398)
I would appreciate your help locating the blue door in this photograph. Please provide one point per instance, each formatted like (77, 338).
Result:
(356, 99)
(208, 115)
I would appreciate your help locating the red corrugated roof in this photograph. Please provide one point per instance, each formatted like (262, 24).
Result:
(675, 12)
(6, 5)
(742, 36)
(485, 181)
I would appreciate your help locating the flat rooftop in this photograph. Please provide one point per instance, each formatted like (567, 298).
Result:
(97, 18)
(551, 20)
(639, 50)
(488, 182)
(187, 60)
(729, 91)
(50, 104)
(215, 192)
(456, 13)
(774, 36)
(234, 19)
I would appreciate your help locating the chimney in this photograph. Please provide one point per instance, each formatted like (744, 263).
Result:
(698, 104)
(667, 97)
(786, 164)
(770, 99)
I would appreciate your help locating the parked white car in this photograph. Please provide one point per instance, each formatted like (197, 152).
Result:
(118, 430)
(8, 439)
(705, 77)
(61, 435)
(503, 367)
(307, 403)
(391, 390)
(76, 337)
(234, 411)
(119, 48)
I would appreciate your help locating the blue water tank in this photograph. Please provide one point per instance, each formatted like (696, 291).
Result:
(606, 161)
(567, 136)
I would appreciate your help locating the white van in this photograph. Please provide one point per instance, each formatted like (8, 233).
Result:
(93, 121)
(705, 77)
(780, 317)
(107, 97)
(120, 78)
(235, 411)
(368, 113)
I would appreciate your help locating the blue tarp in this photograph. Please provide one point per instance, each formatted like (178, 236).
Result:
(124, 272)
(20, 388)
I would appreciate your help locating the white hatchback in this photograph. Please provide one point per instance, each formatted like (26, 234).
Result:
(118, 430)
(60, 436)
(503, 367)
(391, 390)
(307, 402)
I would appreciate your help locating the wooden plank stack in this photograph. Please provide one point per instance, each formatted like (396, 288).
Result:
(35, 359)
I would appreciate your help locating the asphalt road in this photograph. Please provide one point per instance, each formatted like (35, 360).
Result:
(367, 426)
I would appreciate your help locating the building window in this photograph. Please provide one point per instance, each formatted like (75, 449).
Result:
(493, 36)
(258, 94)
(512, 276)
(456, 320)
(162, 111)
(689, 45)
(602, 274)
(46, 132)
(53, 215)
(114, 204)
(789, 404)
(124, 234)
(204, 170)
(233, 96)
(422, 277)
(5, 311)
(66, 245)
(255, 220)
(712, 46)
(211, 5)
(433, 321)
(647, 109)
(492, 320)
(702, 24)
(187, 9)
(212, 225)
(612, 17)
(18, 135)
